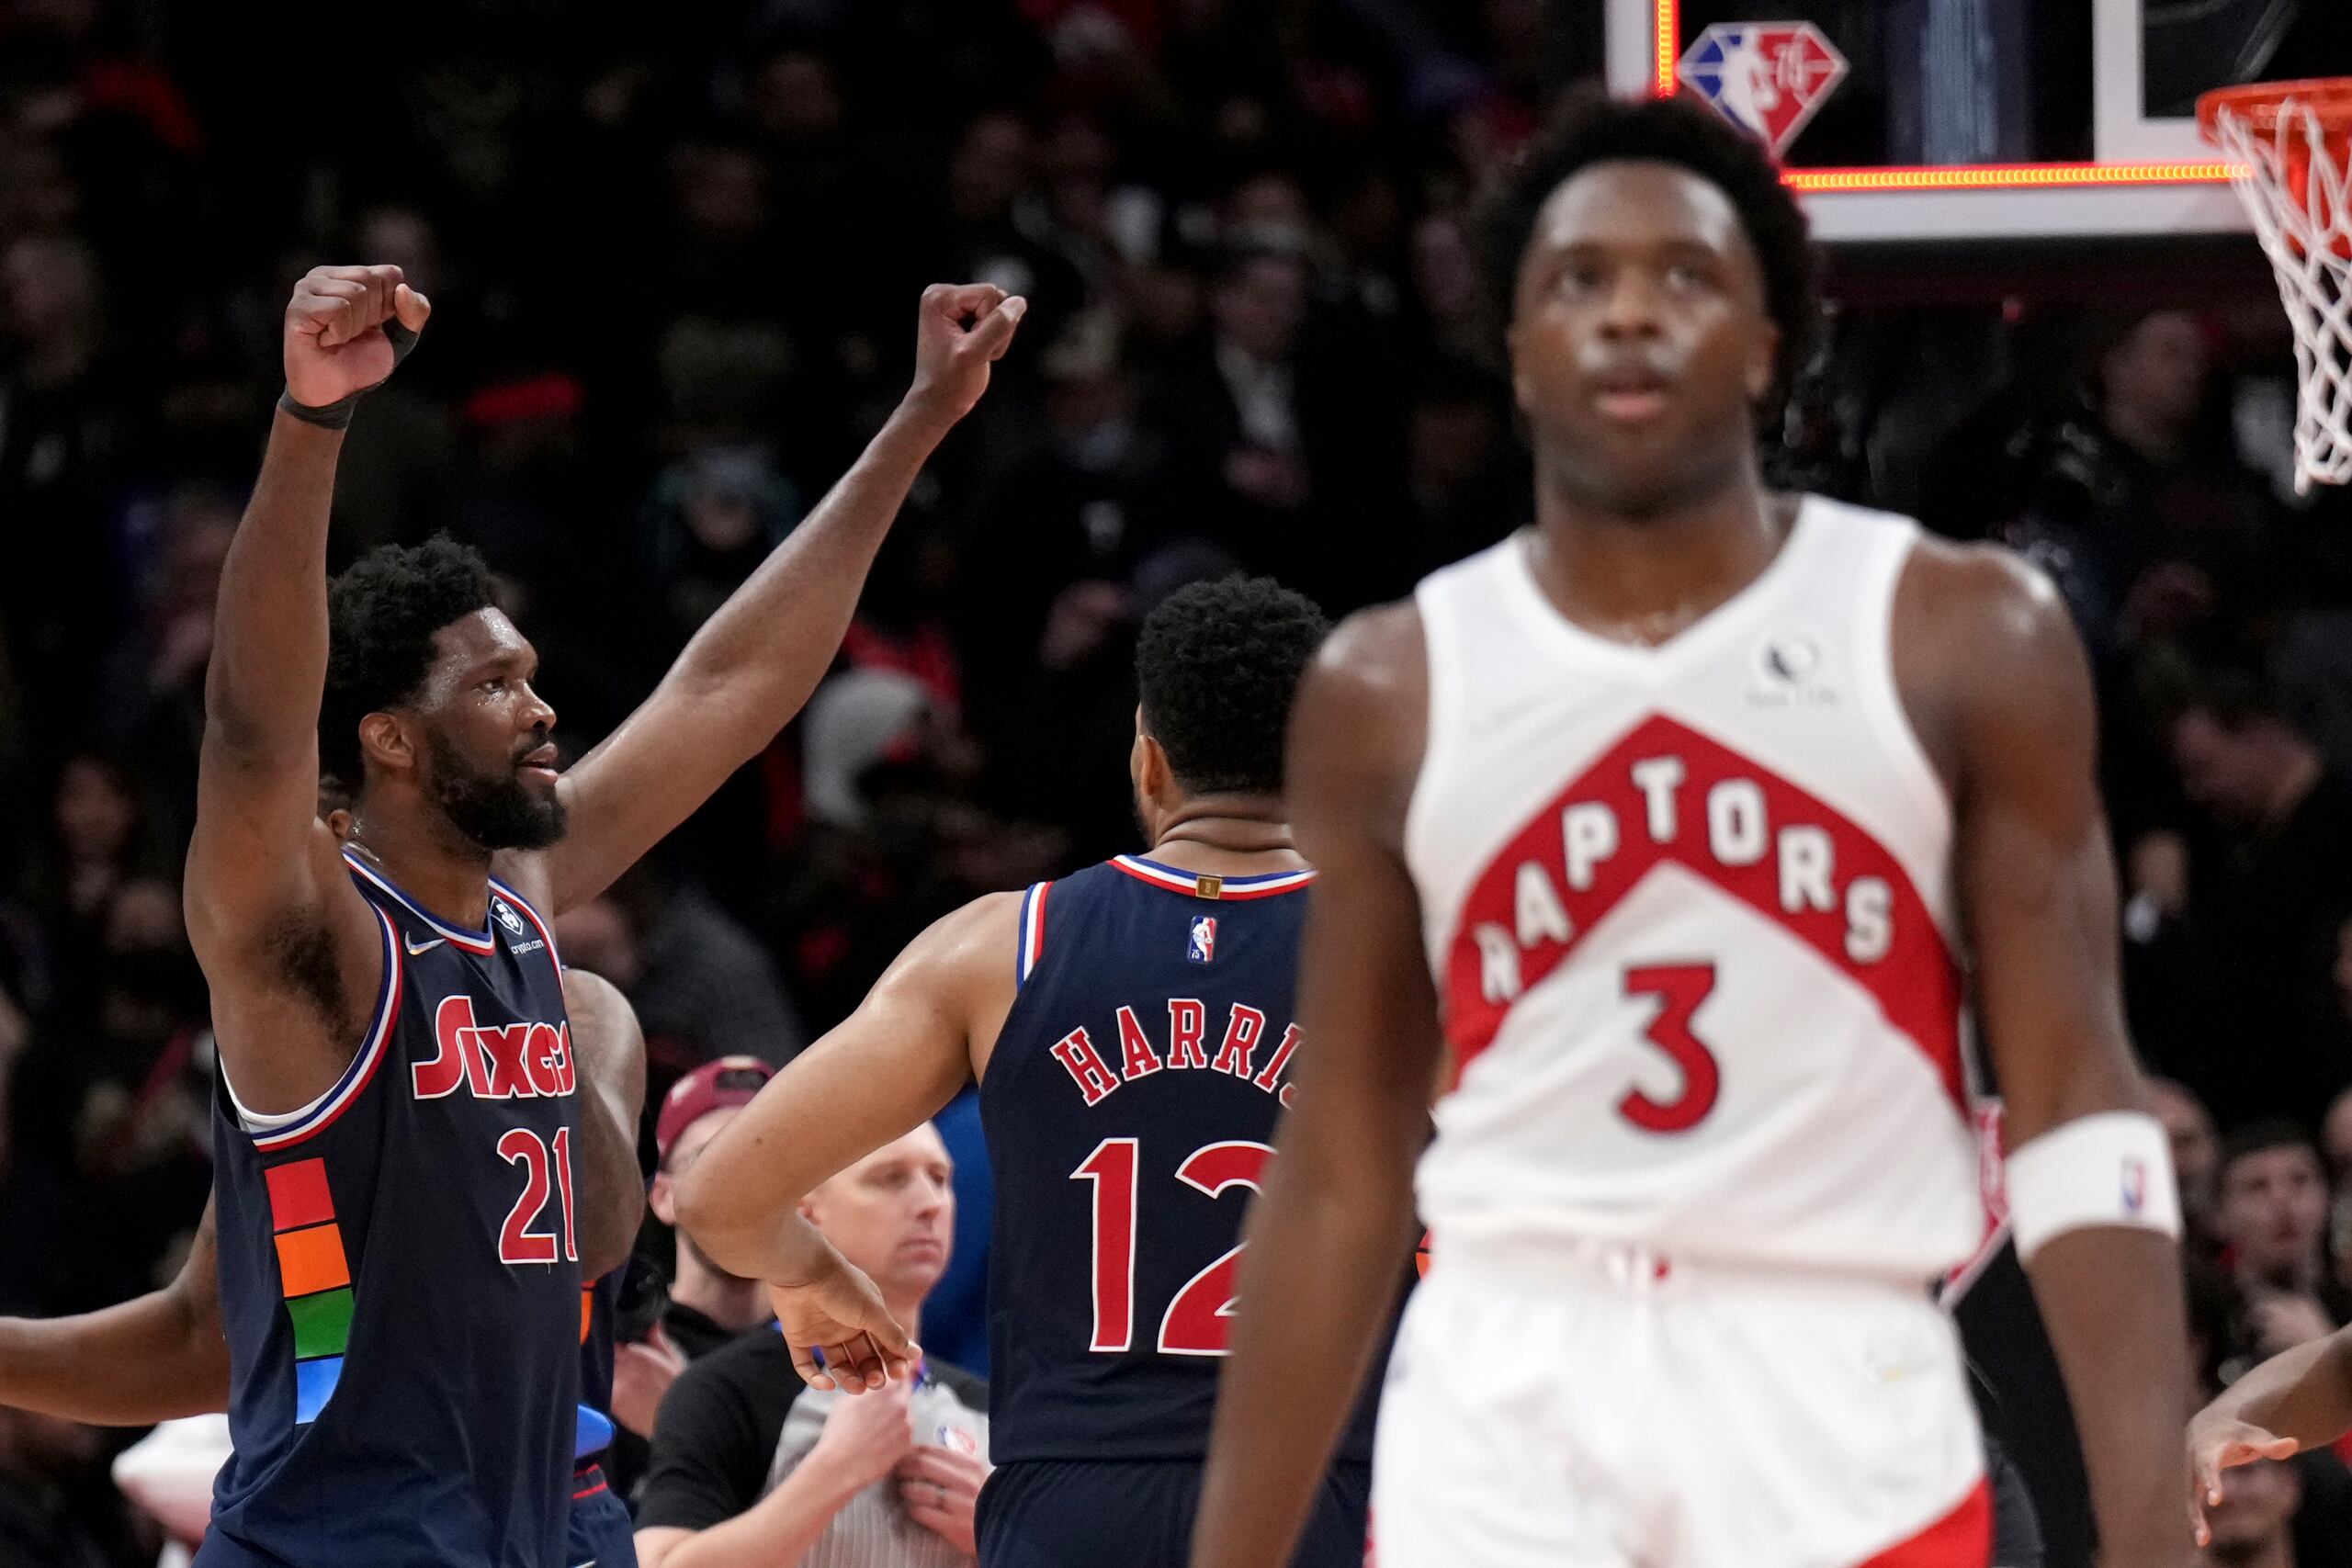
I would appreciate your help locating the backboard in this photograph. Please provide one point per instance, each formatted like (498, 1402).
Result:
(1920, 121)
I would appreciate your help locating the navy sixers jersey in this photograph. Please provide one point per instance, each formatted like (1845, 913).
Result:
(1130, 1107)
(400, 1284)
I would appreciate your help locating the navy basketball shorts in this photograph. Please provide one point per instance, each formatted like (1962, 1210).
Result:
(1139, 1514)
(600, 1533)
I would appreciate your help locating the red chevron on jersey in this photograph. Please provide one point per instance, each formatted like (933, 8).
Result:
(1666, 794)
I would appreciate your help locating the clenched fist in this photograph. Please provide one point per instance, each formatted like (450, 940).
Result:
(952, 359)
(335, 344)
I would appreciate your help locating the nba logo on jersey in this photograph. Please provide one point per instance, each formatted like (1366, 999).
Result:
(1768, 78)
(1202, 947)
(2135, 1186)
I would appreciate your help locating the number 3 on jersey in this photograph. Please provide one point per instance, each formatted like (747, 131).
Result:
(517, 1243)
(1679, 988)
(1199, 1321)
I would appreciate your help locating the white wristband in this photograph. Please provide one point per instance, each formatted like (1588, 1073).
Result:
(2114, 1169)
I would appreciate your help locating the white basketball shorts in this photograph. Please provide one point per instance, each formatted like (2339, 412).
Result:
(1610, 1409)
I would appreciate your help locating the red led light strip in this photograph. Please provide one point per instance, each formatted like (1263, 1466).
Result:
(2005, 176)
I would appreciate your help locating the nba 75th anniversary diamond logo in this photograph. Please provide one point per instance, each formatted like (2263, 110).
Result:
(1768, 78)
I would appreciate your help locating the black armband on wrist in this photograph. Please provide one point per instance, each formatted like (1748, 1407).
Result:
(336, 415)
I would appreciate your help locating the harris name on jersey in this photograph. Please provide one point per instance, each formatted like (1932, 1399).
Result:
(1179, 1043)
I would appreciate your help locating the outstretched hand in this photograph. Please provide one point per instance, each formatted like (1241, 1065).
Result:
(964, 328)
(335, 340)
(840, 1334)
(2216, 1443)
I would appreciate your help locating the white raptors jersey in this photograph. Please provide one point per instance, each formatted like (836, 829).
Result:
(1689, 912)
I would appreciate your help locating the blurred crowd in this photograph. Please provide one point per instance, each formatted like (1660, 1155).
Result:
(675, 255)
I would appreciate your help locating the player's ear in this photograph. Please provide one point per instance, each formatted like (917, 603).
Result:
(1518, 392)
(663, 1199)
(385, 739)
(1764, 363)
(1152, 774)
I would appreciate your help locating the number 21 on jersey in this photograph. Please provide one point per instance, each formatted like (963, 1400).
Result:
(546, 1166)
(1200, 1319)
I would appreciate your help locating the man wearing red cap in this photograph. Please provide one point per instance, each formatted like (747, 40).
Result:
(708, 1306)
(705, 1306)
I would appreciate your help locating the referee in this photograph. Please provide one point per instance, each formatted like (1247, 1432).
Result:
(751, 1467)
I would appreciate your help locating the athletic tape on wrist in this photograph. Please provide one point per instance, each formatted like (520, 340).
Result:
(2114, 1169)
(336, 415)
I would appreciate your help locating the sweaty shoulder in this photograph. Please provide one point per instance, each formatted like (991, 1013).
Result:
(1981, 636)
(1361, 720)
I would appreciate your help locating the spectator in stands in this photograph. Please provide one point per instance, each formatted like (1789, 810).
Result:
(2270, 1216)
(62, 447)
(2335, 1140)
(711, 519)
(2195, 1153)
(2281, 898)
(1446, 292)
(95, 821)
(2133, 499)
(705, 1307)
(992, 229)
(1461, 490)
(151, 692)
(699, 981)
(751, 1466)
(1286, 449)
(2252, 1525)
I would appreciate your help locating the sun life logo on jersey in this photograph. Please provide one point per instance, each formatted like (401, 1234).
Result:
(1788, 674)
(1201, 946)
(506, 916)
(1768, 78)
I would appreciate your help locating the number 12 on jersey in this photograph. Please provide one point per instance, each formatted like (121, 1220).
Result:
(1199, 1321)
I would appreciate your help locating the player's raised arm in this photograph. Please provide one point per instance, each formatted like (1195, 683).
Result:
(156, 1358)
(884, 1070)
(755, 662)
(258, 906)
(2090, 1174)
(1325, 1242)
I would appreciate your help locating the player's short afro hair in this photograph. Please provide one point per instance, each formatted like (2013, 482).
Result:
(382, 611)
(1593, 128)
(1216, 665)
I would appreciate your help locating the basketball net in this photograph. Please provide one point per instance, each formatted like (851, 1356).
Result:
(2291, 145)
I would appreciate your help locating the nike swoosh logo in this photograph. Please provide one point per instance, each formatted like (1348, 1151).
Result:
(416, 947)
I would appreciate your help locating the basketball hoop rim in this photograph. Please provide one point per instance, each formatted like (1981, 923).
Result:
(2259, 105)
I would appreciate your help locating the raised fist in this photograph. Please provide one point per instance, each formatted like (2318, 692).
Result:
(952, 359)
(335, 344)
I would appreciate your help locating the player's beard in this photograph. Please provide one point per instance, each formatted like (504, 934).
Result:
(492, 809)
